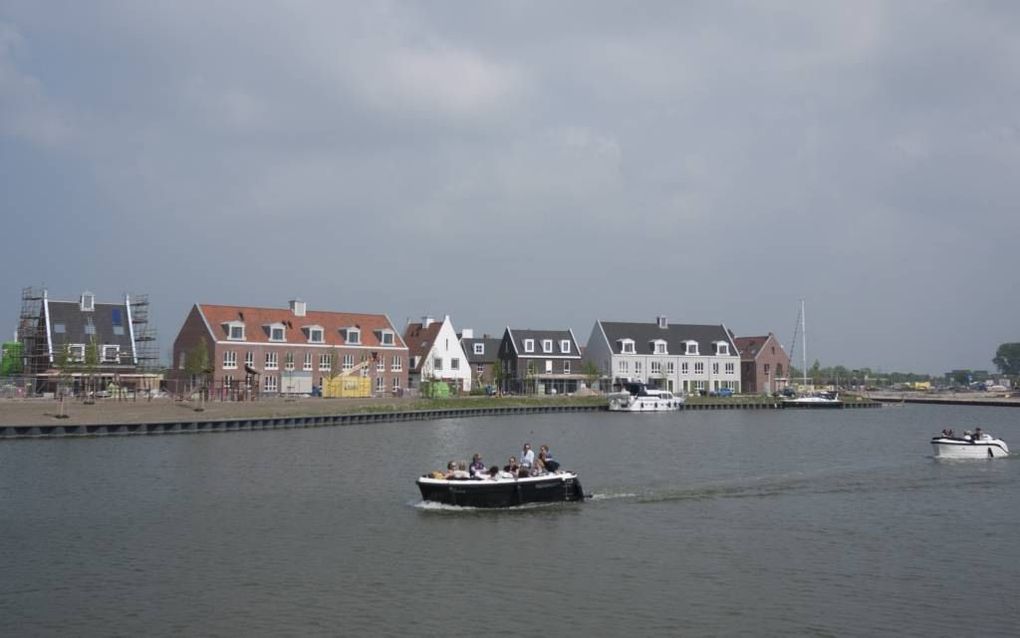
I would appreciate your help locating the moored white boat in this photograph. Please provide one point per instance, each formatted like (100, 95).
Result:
(639, 398)
(820, 400)
(983, 446)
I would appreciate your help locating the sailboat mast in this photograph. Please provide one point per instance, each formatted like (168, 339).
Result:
(803, 337)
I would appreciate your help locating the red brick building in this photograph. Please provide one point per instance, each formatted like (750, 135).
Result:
(291, 350)
(764, 364)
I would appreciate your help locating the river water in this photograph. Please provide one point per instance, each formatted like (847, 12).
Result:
(701, 523)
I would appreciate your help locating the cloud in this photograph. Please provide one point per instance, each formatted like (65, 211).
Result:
(26, 112)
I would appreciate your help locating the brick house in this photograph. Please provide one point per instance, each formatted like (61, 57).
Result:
(764, 364)
(291, 350)
(483, 356)
(540, 361)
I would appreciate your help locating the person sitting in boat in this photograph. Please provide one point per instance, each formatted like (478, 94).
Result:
(455, 471)
(967, 436)
(978, 434)
(947, 433)
(512, 466)
(477, 466)
(544, 455)
(527, 456)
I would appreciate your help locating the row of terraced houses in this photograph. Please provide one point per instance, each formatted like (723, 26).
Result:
(294, 350)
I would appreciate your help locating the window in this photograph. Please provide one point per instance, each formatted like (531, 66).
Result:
(699, 367)
(637, 367)
(480, 368)
(308, 361)
(683, 368)
(455, 363)
(479, 348)
(531, 368)
(548, 364)
(272, 361)
(269, 384)
(566, 367)
(249, 359)
(236, 332)
(546, 345)
(76, 352)
(626, 346)
(230, 360)
(59, 328)
(690, 347)
(348, 362)
(670, 367)
(288, 361)
(380, 364)
(766, 368)
(315, 335)
(380, 384)
(437, 363)
(397, 363)
(353, 336)
(722, 347)
(565, 346)
(529, 345)
(387, 338)
(111, 354)
(325, 362)
(715, 367)
(90, 328)
(624, 367)
(118, 330)
(656, 367)
(659, 347)
(396, 384)
(730, 368)
(276, 333)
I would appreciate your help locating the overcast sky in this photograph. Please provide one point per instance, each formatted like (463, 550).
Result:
(539, 164)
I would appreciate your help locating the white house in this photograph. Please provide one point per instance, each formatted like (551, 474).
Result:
(682, 357)
(435, 353)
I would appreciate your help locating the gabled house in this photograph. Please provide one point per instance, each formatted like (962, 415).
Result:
(540, 361)
(483, 356)
(677, 357)
(292, 350)
(436, 354)
(764, 364)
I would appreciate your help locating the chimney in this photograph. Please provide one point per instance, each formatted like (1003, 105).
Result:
(661, 320)
(467, 333)
(297, 307)
(426, 321)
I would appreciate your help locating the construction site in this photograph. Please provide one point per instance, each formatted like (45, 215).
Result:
(81, 348)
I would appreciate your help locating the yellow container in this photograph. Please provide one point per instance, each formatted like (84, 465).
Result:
(347, 387)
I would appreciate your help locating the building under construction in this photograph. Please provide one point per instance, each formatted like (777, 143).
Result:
(84, 346)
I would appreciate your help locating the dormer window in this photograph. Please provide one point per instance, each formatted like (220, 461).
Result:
(277, 332)
(721, 347)
(352, 336)
(235, 330)
(690, 347)
(111, 353)
(529, 345)
(479, 348)
(547, 345)
(316, 334)
(87, 302)
(385, 337)
(565, 346)
(626, 346)
(658, 346)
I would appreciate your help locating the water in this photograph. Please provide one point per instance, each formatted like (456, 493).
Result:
(703, 523)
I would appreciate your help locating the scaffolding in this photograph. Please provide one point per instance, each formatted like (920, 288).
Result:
(35, 353)
(146, 345)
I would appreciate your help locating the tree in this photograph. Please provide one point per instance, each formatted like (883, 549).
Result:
(499, 376)
(196, 362)
(1007, 358)
(66, 365)
(591, 373)
(91, 368)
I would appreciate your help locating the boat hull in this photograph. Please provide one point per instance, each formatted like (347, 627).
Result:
(627, 403)
(813, 404)
(550, 488)
(946, 448)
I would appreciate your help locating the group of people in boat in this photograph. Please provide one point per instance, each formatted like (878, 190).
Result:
(529, 464)
(977, 435)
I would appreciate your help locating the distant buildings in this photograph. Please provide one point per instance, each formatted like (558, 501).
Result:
(289, 350)
(540, 361)
(764, 364)
(436, 354)
(483, 356)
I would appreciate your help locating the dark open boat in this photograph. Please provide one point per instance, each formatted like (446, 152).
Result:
(508, 492)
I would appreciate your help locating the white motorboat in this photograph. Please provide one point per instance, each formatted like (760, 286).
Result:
(820, 400)
(640, 398)
(979, 446)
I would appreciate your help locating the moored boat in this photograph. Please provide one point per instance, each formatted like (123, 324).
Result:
(638, 397)
(820, 400)
(979, 446)
(502, 492)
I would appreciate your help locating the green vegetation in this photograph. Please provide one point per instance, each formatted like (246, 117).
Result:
(1007, 359)
(841, 375)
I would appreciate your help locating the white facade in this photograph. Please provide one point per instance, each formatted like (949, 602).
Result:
(666, 361)
(446, 359)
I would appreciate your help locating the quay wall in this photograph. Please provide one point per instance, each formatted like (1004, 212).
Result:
(67, 429)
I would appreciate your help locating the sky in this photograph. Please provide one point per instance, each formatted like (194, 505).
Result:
(532, 164)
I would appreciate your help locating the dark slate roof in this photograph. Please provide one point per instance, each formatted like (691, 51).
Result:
(538, 335)
(74, 321)
(491, 354)
(673, 334)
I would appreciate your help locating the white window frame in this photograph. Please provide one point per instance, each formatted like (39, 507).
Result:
(106, 358)
(273, 328)
(659, 347)
(396, 384)
(348, 362)
(396, 363)
(455, 363)
(731, 368)
(480, 368)
(529, 345)
(548, 366)
(638, 367)
(721, 347)
(623, 366)
(352, 336)
(308, 362)
(655, 367)
(272, 361)
(316, 334)
(437, 363)
(690, 347)
(288, 361)
(380, 384)
(547, 345)
(270, 383)
(479, 348)
(699, 367)
(380, 364)
(715, 367)
(230, 360)
(670, 367)
(76, 352)
(565, 346)
(325, 362)
(566, 367)
(386, 337)
(627, 346)
(684, 368)
(231, 327)
(249, 359)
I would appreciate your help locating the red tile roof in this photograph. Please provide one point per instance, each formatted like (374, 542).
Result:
(748, 347)
(419, 340)
(333, 324)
